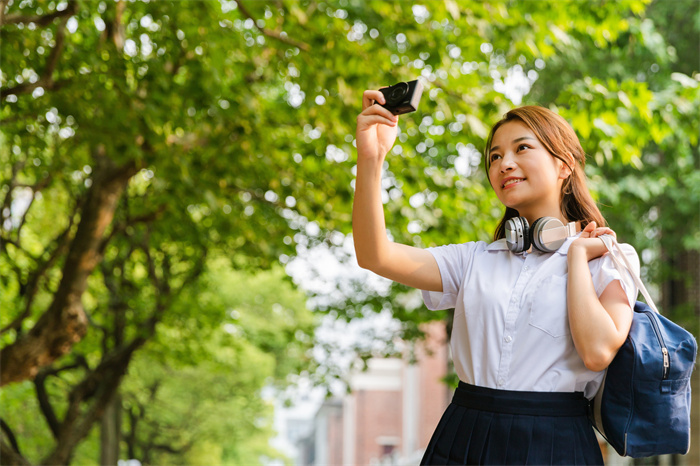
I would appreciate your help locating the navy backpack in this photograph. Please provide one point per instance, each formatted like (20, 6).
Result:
(643, 406)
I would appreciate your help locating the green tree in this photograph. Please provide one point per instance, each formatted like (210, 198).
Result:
(198, 380)
(635, 102)
(142, 138)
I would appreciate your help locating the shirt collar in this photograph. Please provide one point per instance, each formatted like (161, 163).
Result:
(498, 245)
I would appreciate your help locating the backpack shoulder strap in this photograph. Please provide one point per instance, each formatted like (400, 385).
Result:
(624, 268)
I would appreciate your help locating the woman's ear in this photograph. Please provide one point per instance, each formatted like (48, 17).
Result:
(565, 170)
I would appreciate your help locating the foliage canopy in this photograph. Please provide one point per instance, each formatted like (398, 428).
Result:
(154, 153)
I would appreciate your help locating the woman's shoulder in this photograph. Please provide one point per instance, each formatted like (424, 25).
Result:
(605, 262)
(471, 246)
(461, 255)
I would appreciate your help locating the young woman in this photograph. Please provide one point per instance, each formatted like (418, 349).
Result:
(537, 319)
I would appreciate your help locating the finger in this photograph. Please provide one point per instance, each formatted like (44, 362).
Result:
(370, 96)
(379, 110)
(369, 120)
(588, 231)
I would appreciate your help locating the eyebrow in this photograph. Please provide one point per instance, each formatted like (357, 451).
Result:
(514, 141)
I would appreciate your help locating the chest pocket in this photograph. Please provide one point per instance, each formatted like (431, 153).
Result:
(548, 311)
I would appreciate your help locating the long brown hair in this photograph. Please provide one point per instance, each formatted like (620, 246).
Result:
(559, 138)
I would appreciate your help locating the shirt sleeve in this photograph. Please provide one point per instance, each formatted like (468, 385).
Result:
(452, 261)
(603, 272)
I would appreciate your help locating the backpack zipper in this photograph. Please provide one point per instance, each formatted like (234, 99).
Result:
(664, 350)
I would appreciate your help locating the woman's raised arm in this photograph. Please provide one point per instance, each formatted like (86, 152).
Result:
(415, 267)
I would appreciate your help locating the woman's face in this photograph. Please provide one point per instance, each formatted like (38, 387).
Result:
(525, 176)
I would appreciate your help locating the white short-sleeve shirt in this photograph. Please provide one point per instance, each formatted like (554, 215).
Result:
(511, 325)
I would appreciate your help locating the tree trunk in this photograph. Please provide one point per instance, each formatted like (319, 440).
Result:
(110, 432)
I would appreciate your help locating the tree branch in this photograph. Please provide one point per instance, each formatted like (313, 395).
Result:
(145, 218)
(43, 397)
(46, 80)
(162, 287)
(9, 456)
(26, 88)
(114, 27)
(41, 21)
(170, 449)
(29, 288)
(270, 33)
(3, 5)
(101, 384)
(64, 323)
(10, 435)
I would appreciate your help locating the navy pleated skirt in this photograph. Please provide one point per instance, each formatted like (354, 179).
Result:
(487, 426)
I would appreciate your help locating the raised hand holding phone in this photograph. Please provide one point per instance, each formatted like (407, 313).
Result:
(376, 127)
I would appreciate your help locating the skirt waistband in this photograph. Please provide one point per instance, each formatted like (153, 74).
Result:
(518, 402)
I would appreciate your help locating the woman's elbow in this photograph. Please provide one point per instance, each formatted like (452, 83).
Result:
(364, 262)
(595, 365)
(597, 361)
(368, 261)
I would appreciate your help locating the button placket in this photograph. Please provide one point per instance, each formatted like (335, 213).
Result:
(510, 319)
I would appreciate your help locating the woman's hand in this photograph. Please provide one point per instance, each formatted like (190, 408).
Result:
(376, 127)
(589, 243)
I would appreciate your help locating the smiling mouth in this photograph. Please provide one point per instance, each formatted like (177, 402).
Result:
(512, 182)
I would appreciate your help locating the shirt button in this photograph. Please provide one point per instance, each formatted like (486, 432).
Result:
(508, 338)
(526, 267)
(501, 382)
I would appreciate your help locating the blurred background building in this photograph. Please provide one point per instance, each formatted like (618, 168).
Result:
(388, 415)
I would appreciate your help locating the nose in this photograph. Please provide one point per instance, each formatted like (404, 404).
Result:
(508, 162)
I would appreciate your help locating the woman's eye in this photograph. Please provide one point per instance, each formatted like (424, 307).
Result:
(523, 146)
(495, 157)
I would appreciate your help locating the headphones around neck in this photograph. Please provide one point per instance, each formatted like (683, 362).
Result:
(547, 234)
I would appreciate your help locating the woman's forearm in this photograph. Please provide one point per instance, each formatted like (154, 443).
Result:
(409, 265)
(368, 223)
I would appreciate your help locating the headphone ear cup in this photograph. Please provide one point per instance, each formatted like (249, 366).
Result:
(517, 234)
(538, 227)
